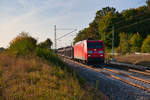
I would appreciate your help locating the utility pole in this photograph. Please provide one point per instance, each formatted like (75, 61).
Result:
(55, 41)
(113, 42)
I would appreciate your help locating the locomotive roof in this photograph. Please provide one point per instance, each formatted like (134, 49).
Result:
(88, 41)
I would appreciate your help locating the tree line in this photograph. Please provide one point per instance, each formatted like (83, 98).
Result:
(131, 27)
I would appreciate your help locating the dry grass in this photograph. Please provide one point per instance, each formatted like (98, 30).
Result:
(34, 79)
(135, 59)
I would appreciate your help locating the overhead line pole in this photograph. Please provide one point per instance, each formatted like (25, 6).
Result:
(113, 31)
(55, 35)
(55, 41)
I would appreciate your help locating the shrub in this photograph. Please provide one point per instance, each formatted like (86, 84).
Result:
(56, 61)
(46, 44)
(51, 57)
(23, 44)
(146, 45)
(48, 55)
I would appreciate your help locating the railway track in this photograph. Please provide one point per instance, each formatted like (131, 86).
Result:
(134, 81)
(147, 72)
(126, 75)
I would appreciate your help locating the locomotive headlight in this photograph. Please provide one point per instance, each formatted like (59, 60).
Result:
(89, 55)
(100, 52)
(89, 52)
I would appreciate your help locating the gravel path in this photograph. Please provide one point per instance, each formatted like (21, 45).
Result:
(114, 89)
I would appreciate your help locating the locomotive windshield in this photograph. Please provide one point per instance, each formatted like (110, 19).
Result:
(95, 45)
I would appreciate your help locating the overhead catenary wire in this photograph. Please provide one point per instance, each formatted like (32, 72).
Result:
(134, 24)
(138, 16)
(66, 29)
(126, 26)
(141, 15)
(119, 28)
(55, 34)
(64, 43)
(66, 34)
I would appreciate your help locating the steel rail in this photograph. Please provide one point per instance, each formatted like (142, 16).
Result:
(133, 77)
(147, 71)
(140, 72)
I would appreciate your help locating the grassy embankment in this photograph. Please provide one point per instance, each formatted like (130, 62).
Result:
(28, 72)
(137, 59)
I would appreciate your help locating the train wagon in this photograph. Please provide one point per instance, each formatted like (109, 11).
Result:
(89, 51)
(66, 51)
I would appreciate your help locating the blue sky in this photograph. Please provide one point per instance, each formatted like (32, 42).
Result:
(38, 17)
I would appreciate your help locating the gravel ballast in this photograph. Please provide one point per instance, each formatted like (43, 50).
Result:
(114, 89)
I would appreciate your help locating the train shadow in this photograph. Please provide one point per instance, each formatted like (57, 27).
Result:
(98, 65)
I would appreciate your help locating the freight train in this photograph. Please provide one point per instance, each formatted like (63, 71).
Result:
(86, 51)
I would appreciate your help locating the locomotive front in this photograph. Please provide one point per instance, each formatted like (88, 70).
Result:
(95, 51)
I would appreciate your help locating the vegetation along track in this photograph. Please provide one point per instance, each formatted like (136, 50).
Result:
(109, 73)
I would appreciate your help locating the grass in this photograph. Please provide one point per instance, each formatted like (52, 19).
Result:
(33, 78)
(29, 72)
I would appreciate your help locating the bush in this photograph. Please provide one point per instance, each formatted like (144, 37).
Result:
(48, 55)
(146, 45)
(46, 44)
(51, 57)
(22, 44)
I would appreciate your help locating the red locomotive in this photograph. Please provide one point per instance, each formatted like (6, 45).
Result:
(87, 51)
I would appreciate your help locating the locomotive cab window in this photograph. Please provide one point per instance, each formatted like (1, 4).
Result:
(95, 45)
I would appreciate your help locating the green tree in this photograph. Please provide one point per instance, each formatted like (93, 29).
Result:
(124, 43)
(83, 34)
(105, 25)
(146, 44)
(141, 9)
(103, 12)
(46, 44)
(136, 42)
(128, 21)
(135, 20)
(92, 30)
(105, 29)
(148, 3)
